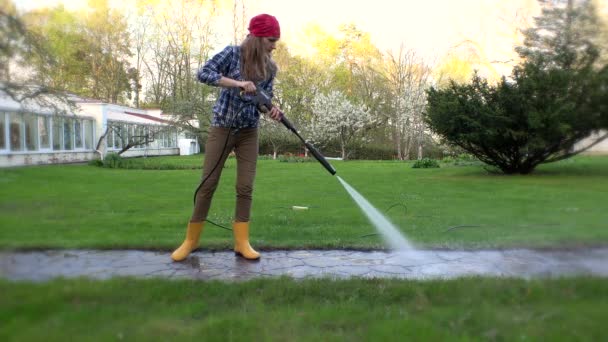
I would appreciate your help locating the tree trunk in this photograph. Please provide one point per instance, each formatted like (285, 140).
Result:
(419, 140)
(398, 145)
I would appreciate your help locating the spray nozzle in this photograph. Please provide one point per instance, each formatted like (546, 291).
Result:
(320, 158)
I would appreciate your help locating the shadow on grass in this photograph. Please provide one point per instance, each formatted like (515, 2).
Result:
(578, 166)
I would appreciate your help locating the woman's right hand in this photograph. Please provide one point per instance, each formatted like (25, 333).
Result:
(247, 86)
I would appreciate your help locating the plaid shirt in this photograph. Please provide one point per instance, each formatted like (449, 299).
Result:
(230, 110)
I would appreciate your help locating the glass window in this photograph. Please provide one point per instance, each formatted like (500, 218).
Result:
(124, 134)
(30, 122)
(173, 137)
(147, 133)
(159, 137)
(88, 134)
(16, 132)
(117, 128)
(153, 136)
(139, 137)
(44, 130)
(57, 133)
(78, 133)
(68, 134)
(110, 138)
(2, 131)
(132, 135)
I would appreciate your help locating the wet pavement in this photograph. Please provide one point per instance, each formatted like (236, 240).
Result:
(204, 265)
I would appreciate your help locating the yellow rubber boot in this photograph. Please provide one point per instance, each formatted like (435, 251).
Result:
(241, 241)
(193, 233)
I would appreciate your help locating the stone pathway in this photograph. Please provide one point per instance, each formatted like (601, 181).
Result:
(421, 264)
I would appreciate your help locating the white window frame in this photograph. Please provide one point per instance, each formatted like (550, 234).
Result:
(91, 133)
(4, 117)
(115, 144)
(118, 137)
(25, 120)
(82, 143)
(60, 134)
(23, 148)
(174, 140)
(71, 135)
(109, 136)
(50, 133)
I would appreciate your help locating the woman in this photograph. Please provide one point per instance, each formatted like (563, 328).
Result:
(234, 126)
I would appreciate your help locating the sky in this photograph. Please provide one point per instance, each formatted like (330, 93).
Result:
(426, 24)
(429, 27)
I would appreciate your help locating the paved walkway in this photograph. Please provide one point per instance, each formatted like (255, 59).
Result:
(422, 264)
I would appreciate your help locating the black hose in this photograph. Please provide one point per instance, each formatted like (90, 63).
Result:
(215, 167)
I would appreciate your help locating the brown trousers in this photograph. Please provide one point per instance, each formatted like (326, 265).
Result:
(245, 145)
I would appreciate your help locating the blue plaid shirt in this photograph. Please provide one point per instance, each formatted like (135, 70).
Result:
(230, 110)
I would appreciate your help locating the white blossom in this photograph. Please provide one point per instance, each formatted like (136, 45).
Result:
(337, 118)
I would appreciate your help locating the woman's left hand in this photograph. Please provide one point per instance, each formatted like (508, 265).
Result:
(275, 113)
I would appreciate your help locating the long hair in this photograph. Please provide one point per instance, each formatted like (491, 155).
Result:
(256, 63)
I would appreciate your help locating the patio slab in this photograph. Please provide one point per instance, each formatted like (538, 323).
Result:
(204, 265)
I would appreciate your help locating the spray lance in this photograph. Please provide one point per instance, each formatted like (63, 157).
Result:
(263, 102)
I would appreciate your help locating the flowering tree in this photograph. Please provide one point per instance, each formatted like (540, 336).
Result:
(408, 78)
(275, 134)
(337, 118)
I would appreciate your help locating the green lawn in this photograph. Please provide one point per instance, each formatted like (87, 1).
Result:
(80, 206)
(287, 310)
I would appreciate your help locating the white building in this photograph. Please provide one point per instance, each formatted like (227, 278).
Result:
(600, 148)
(31, 135)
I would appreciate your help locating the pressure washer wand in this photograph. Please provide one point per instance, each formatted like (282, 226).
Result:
(309, 146)
(264, 103)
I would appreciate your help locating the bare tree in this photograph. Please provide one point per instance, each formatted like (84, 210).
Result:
(238, 20)
(140, 33)
(180, 40)
(18, 79)
(275, 134)
(408, 78)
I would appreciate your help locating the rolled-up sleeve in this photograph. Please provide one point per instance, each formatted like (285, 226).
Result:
(216, 67)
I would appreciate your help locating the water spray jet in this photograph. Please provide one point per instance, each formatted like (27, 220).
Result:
(389, 232)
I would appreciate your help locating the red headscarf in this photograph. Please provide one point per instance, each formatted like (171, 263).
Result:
(264, 25)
